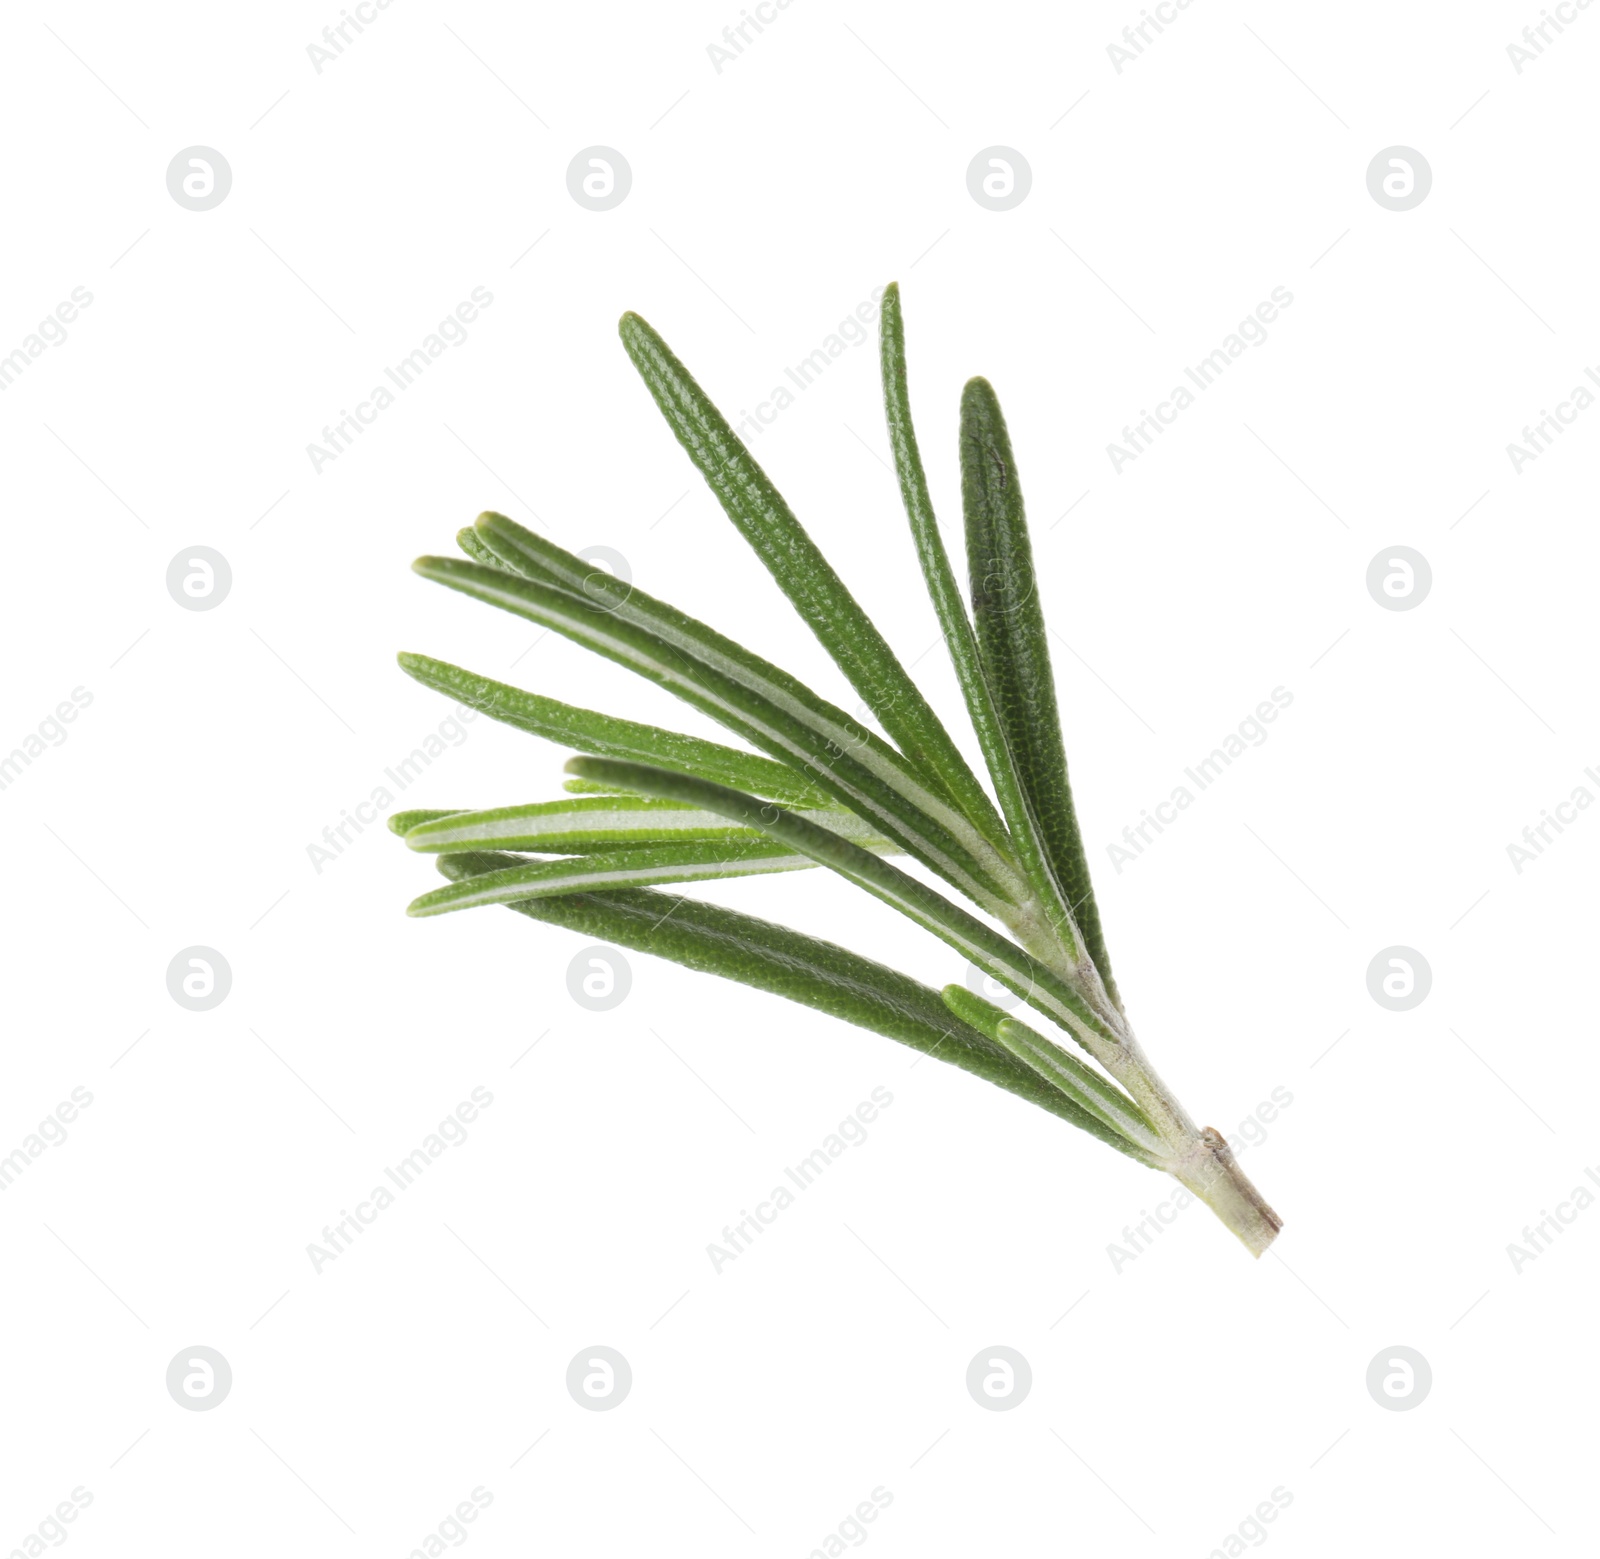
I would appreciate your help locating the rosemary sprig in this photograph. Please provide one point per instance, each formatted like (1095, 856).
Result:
(650, 807)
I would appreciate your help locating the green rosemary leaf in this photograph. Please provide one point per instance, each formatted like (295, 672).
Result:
(820, 975)
(541, 560)
(664, 808)
(794, 560)
(1087, 1088)
(638, 866)
(952, 613)
(742, 710)
(477, 549)
(563, 827)
(599, 823)
(1094, 1092)
(1016, 652)
(569, 726)
(578, 787)
(403, 822)
(1011, 965)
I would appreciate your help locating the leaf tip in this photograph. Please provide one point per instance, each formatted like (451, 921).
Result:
(983, 424)
(586, 766)
(970, 1009)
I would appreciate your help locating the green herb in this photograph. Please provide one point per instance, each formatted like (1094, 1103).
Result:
(649, 808)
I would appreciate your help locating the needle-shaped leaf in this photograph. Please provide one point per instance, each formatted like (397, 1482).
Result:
(589, 731)
(952, 613)
(662, 808)
(794, 560)
(1016, 652)
(477, 548)
(578, 787)
(635, 867)
(1088, 1089)
(817, 974)
(403, 822)
(986, 947)
(789, 736)
(540, 559)
(599, 823)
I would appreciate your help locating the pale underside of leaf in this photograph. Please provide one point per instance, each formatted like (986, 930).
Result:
(786, 736)
(600, 822)
(541, 560)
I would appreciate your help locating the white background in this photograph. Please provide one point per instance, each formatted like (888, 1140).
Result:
(768, 200)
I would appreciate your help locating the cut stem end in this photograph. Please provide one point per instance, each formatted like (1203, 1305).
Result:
(1213, 1174)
